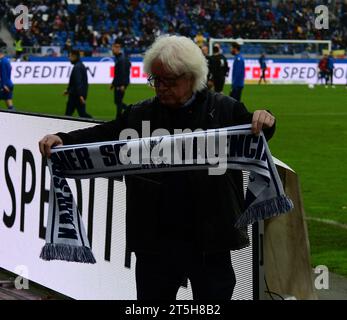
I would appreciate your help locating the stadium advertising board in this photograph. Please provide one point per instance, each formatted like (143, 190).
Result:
(24, 189)
(59, 72)
(102, 72)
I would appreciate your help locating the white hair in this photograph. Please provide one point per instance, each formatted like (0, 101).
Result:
(179, 54)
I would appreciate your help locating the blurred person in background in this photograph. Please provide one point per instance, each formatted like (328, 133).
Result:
(219, 68)
(121, 78)
(18, 47)
(238, 73)
(262, 63)
(323, 70)
(199, 39)
(6, 84)
(78, 87)
(330, 68)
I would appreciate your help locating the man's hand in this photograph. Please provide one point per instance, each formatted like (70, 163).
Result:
(47, 142)
(262, 119)
(82, 100)
(65, 93)
(111, 87)
(121, 88)
(6, 89)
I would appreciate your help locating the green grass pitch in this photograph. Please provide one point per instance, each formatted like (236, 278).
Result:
(311, 138)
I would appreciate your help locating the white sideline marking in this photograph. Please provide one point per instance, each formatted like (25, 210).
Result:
(327, 221)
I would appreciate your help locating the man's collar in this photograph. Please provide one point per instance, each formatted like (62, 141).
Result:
(189, 101)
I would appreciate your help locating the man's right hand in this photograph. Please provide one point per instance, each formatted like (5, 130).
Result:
(47, 142)
(111, 87)
(65, 93)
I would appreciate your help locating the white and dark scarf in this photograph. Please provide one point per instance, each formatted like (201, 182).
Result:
(232, 148)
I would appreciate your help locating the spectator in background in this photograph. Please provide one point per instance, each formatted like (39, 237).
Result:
(238, 73)
(6, 84)
(219, 68)
(78, 87)
(18, 47)
(223, 18)
(68, 45)
(121, 78)
(330, 67)
(262, 63)
(199, 39)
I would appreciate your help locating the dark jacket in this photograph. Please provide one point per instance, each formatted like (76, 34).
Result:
(78, 83)
(219, 66)
(121, 71)
(180, 208)
(262, 63)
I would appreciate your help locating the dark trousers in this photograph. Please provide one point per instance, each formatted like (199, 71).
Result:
(330, 76)
(322, 76)
(236, 93)
(219, 84)
(74, 103)
(262, 75)
(118, 100)
(159, 276)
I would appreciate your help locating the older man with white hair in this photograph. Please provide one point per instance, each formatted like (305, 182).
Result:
(179, 224)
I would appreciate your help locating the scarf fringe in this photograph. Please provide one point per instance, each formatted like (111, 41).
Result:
(264, 210)
(66, 252)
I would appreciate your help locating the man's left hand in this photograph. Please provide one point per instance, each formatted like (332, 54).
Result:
(82, 100)
(262, 119)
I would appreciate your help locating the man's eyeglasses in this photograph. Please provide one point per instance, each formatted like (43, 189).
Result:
(155, 81)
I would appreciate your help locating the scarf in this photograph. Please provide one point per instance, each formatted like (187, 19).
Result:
(214, 149)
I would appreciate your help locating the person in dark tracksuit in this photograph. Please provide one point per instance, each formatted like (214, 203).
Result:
(219, 69)
(78, 87)
(238, 74)
(121, 78)
(262, 63)
(330, 69)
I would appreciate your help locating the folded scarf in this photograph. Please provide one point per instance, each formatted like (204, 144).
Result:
(214, 149)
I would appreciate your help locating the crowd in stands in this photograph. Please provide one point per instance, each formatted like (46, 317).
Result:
(93, 25)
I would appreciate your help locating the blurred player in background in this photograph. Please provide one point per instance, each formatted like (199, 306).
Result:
(219, 68)
(262, 63)
(330, 67)
(78, 87)
(238, 74)
(121, 78)
(323, 70)
(6, 84)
